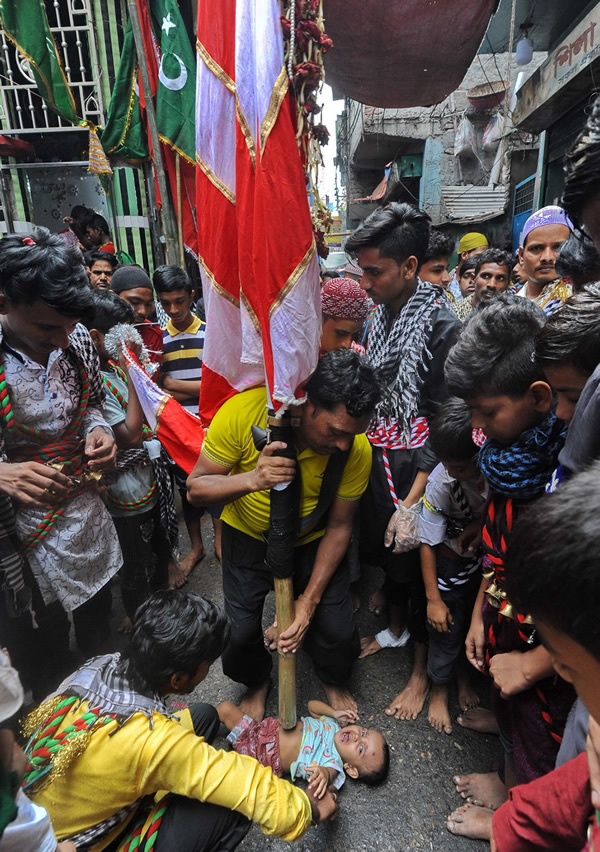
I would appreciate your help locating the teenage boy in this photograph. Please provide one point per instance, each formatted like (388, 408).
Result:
(492, 276)
(132, 747)
(139, 495)
(133, 284)
(98, 234)
(413, 328)
(543, 235)
(554, 575)
(55, 441)
(101, 266)
(494, 369)
(453, 500)
(436, 260)
(183, 344)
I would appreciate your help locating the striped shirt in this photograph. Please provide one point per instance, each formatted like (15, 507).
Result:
(182, 355)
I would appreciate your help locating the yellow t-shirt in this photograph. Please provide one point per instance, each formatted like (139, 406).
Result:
(115, 771)
(229, 443)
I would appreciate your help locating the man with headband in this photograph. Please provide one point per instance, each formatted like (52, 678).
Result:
(345, 307)
(543, 234)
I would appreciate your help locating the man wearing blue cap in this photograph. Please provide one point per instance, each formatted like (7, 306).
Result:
(543, 234)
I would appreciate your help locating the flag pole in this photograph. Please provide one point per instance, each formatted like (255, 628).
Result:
(170, 231)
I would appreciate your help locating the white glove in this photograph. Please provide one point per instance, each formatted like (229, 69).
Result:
(403, 529)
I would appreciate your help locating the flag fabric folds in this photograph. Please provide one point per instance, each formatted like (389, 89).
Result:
(26, 26)
(256, 247)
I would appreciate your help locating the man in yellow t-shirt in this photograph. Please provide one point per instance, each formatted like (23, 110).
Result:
(341, 398)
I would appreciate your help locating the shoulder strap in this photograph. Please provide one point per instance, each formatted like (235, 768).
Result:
(331, 480)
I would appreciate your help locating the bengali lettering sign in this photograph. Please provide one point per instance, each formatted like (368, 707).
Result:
(577, 51)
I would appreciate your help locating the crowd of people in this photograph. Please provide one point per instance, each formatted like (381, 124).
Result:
(448, 436)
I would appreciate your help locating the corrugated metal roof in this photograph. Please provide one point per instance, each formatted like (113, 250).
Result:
(474, 203)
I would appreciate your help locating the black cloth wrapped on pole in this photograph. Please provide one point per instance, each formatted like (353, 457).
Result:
(285, 503)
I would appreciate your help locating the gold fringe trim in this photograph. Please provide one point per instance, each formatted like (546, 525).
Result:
(217, 182)
(277, 97)
(216, 286)
(293, 279)
(214, 66)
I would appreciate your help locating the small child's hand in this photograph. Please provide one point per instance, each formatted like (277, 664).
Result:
(346, 717)
(319, 781)
(438, 615)
(469, 541)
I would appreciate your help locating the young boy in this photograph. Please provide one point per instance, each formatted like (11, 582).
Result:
(344, 307)
(554, 574)
(183, 343)
(492, 276)
(134, 493)
(413, 328)
(493, 368)
(324, 747)
(436, 260)
(454, 497)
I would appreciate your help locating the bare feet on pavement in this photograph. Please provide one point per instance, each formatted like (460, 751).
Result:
(471, 821)
(484, 789)
(339, 698)
(409, 703)
(479, 719)
(189, 562)
(439, 715)
(368, 645)
(177, 578)
(377, 603)
(253, 702)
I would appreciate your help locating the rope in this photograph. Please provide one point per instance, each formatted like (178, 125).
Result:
(138, 839)
(388, 476)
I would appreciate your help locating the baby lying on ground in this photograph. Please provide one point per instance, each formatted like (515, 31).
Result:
(323, 747)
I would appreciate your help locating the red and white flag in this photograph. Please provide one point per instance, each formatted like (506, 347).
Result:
(256, 248)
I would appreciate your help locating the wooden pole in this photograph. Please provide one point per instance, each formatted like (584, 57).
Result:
(169, 227)
(284, 608)
(179, 210)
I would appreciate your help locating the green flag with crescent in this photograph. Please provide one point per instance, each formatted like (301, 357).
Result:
(176, 91)
(26, 26)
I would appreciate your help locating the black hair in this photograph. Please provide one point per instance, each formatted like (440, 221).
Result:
(497, 256)
(571, 335)
(169, 277)
(174, 631)
(99, 222)
(439, 246)
(495, 353)
(344, 377)
(578, 257)
(92, 256)
(109, 310)
(582, 166)
(330, 273)
(398, 231)
(45, 267)
(82, 214)
(552, 569)
(376, 776)
(451, 432)
(469, 263)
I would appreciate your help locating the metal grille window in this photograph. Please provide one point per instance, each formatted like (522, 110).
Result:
(21, 106)
(524, 196)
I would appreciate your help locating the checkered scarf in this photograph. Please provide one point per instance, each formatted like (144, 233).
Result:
(401, 357)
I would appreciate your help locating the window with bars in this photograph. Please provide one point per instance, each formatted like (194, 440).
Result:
(524, 196)
(21, 106)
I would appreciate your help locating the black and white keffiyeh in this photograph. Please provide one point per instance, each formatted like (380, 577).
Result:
(402, 356)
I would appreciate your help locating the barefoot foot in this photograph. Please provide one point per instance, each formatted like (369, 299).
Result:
(377, 603)
(409, 703)
(484, 789)
(253, 702)
(471, 821)
(467, 697)
(368, 646)
(479, 719)
(177, 578)
(189, 562)
(339, 697)
(439, 715)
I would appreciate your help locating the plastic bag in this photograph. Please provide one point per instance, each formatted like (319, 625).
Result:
(465, 141)
(403, 529)
(493, 132)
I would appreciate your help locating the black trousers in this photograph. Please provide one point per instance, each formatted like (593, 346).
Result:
(331, 641)
(192, 826)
